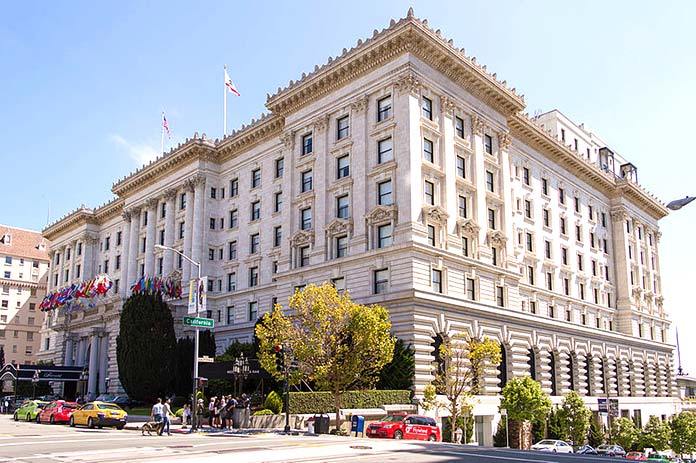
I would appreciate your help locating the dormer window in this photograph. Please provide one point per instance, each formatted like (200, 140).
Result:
(6, 239)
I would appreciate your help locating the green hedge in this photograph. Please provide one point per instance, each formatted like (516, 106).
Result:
(323, 402)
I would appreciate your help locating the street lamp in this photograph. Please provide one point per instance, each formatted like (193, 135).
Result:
(194, 403)
(679, 203)
(240, 371)
(34, 382)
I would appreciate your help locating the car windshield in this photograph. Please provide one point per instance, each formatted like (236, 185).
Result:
(109, 407)
(70, 406)
(546, 442)
(393, 418)
(604, 447)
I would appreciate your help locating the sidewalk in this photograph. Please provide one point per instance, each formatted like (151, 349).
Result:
(135, 422)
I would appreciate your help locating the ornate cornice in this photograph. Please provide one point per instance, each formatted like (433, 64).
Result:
(302, 237)
(83, 217)
(338, 226)
(468, 227)
(249, 136)
(435, 214)
(380, 214)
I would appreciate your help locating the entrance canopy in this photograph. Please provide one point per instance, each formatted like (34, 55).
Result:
(11, 372)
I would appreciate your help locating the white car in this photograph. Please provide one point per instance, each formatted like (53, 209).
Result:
(552, 445)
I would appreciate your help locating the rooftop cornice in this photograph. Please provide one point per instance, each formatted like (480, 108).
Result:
(409, 34)
(527, 131)
(109, 210)
(81, 216)
(248, 136)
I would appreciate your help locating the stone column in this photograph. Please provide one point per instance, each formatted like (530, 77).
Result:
(448, 187)
(504, 142)
(73, 258)
(125, 254)
(133, 245)
(93, 366)
(61, 268)
(103, 362)
(80, 360)
(150, 238)
(479, 171)
(169, 231)
(188, 228)
(68, 359)
(197, 230)
(89, 252)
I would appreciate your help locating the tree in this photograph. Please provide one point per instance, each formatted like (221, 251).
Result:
(524, 401)
(399, 373)
(595, 437)
(683, 428)
(623, 432)
(555, 427)
(574, 419)
(335, 342)
(145, 347)
(460, 367)
(235, 349)
(206, 344)
(183, 367)
(656, 434)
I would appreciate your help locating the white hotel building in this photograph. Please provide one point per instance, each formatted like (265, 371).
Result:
(405, 172)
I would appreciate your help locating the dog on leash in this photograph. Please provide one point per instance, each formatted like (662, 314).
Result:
(150, 427)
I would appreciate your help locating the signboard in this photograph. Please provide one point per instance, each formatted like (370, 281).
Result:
(206, 359)
(603, 405)
(614, 407)
(199, 322)
(198, 292)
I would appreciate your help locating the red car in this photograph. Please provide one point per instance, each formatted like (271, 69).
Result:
(58, 411)
(405, 427)
(636, 456)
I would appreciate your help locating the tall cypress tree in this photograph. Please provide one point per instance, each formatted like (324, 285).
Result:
(400, 372)
(146, 347)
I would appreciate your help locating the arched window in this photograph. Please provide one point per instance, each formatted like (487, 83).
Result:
(552, 366)
(503, 366)
(572, 362)
(603, 375)
(532, 364)
(439, 362)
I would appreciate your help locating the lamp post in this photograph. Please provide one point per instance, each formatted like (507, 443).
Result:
(34, 382)
(679, 203)
(194, 420)
(503, 412)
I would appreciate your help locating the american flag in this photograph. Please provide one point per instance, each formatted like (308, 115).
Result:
(165, 126)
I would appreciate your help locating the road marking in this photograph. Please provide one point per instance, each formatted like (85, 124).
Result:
(101, 439)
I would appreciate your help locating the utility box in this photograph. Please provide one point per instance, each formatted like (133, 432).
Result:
(357, 425)
(321, 424)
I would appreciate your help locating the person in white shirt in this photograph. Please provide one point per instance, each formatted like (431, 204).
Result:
(166, 415)
(157, 411)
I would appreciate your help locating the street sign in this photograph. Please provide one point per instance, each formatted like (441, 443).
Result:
(602, 405)
(614, 407)
(206, 359)
(199, 322)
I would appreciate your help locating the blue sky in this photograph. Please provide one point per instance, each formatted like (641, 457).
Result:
(83, 84)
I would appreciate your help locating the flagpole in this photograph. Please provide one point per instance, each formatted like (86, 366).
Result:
(224, 102)
(162, 134)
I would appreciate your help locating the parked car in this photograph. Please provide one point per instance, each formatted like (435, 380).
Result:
(658, 457)
(640, 456)
(99, 414)
(586, 450)
(405, 427)
(29, 410)
(553, 445)
(58, 411)
(611, 450)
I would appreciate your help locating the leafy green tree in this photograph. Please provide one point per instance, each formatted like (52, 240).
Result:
(500, 437)
(235, 349)
(145, 347)
(595, 437)
(183, 367)
(206, 344)
(683, 433)
(335, 342)
(525, 401)
(656, 434)
(574, 419)
(399, 373)
(555, 428)
(273, 403)
(623, 432)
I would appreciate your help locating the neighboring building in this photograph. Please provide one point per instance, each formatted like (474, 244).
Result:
(405, 172)
(23, 270)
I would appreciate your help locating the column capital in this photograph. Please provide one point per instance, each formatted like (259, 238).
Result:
(170, 194)
(447, 105)
(288, 139)
(152, 203)
(321, 123)
(360, 104)
(478, 125)
(126, 214)
(408, 83)
(504, 141)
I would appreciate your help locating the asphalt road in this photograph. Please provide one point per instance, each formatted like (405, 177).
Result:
(29, 442)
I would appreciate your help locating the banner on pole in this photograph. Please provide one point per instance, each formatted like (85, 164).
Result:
(193, 296)
(203, 294)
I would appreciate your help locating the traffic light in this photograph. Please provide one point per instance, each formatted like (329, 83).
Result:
(279, 357)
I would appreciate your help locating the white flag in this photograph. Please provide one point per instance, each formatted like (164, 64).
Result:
(230, 85)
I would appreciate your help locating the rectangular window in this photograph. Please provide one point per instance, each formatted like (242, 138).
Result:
(253, 311)
(590, 212)
(604, 220)
(234, 218)
(428, 150)
(306, 218)
(471, 289)
(339, 283)
(436, 280)
(304, 256)
(528, 208)
(500, 296)
(578, 233)
(161, 236)
(163, 213)
(530, 242)
(255, 178)
(429, 192)
(234, 187)
(491, 219)
(182, 201)
(232, 250)
(277, 201)
(277, 235)
(182, 228)
(341, 246)
(566, 286)
(427, 108)
(279, 167)
(307, 146)
(384, 108)
(343, 167)
(384, 193)
(562, 221)
(564, 256)
(461, 206)
(119, 235)
(342, 127)
(494, 256)
(561, 195)
(143, 244)
(160, 265)
(384, 235)
(213, 192)
(576, 202)
(547, 217)
(547, 249)
(530, 275)
(593, 241)
(525, 176)
(118, 262)
(254, 243)
(212, 223)
(459, 127)
(144, 218)
(78, 268)
(179, 261)
(581, 263)
(461, 167)
(211, 254)
(581, 287)
(431, 235)
(488, 144)
(253, 276)
(490, 181)
(385, 151)
(306, 181)
(342, 207)
(255, 210)
(545, 186)
(465, 246)
(107, 245)
(381, 280)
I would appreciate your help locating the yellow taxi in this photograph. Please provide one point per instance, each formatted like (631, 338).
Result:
(99, 414)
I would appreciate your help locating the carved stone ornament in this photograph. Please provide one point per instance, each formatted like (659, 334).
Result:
(658, 235)
(447, 105)
(496, 237)
(321, 123)
(198, 179)
(288, 139)
(659, 300)
(360, 104)
(468, 227)
(170, 194)
(91, 239)
(408, 83)
(381, 214)
(435, 214)
(618, 216)
(637, 292)
(302, 237)
(126, 215)
(504, 140)
(339, 226)
(135, 211)
(648, 297)
(478, 125)
(189, 185)
(152, 203)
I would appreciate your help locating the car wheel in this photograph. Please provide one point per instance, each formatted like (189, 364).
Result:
(398, 434)
(38, 419)
(15, 417)
(555, 451)
(72, 422)
(28, 418)
(53, 420)
(432, 438)
(119, 427)
(90, 423)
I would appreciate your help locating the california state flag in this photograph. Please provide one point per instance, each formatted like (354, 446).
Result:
(230, 85)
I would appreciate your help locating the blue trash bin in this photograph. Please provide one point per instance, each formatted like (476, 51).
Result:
(357, 425)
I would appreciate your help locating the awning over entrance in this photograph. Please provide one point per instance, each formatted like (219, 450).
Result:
(46, 373)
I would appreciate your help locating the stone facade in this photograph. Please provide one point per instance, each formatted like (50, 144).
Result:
(405, 172)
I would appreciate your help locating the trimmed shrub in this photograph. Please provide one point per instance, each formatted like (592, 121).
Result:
(323, 402)
(273, 403)
(264, 411)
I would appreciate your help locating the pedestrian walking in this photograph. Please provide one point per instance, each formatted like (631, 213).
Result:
(185, 416)
(157, 411)
(166, 418)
